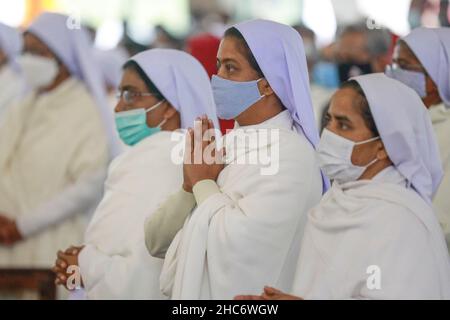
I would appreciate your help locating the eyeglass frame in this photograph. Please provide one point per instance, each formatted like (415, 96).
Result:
(122, 94)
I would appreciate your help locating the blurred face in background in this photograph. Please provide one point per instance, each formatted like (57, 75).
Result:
(42, 68)
(404, 58)
(352, 55)
(352, 47)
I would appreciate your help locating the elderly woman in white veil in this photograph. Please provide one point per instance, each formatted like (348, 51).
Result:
(422, 62)
(55, 145)
(12, 83)
(162, 91)
(374, 234)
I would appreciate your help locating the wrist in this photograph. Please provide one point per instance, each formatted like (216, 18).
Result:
(187, 188)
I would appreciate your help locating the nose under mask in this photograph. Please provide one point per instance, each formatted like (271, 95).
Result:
(413, 79)
(233, 97)
(335, 157)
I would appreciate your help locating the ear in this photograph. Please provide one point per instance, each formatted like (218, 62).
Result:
(381, 152)
(265, 88)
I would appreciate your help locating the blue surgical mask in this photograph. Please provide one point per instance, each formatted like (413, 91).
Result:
(413, 79)
(132, 125)
(232, 97)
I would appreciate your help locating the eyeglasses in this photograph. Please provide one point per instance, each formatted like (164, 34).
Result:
(129, 96)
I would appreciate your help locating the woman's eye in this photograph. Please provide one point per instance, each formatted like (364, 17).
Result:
(344, 126)
(230, 68)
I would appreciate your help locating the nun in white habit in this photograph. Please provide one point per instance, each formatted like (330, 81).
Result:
(12, 83)
(162, 91)
(243, 223)
(374, 234)
(422, 62)
(55, 145)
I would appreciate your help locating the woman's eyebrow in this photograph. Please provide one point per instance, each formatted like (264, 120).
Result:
(342, 118)
(128, 87)
(225, 60)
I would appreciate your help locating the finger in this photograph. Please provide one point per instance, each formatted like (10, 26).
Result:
(62, 278)
(62, 256)
(248, 297)
(73, 250)
(188, 146)
(271, 291)
(70, 250)
(206, 136)
(57, 269)
(198, 137)
(61, 264)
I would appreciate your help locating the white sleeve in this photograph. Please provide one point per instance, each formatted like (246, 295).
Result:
(79, 197)
(131, 275)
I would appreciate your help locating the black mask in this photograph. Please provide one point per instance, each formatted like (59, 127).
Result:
(353, 69)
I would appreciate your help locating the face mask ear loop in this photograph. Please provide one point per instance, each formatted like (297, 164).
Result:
(162, 123)
(154, 107)
(367, 141)
(261, 96)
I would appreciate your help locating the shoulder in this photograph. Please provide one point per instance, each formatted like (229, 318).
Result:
(149, 155)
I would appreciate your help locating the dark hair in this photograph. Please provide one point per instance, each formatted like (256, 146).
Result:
(362, 104)
(244, 49)
(133, 65)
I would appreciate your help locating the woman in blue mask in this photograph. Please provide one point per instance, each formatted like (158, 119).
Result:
(161, 91)
(374, 234)
(244, 220)
(422, 62)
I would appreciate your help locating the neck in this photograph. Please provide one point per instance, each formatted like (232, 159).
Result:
(263, 110)
(375, 169)
(60, 78)
(430, 101)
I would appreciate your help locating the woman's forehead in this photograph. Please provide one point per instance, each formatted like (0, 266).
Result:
(229, 49)
(130, 78)
(343, 102)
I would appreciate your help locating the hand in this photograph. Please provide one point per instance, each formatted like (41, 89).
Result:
(202, 161)
(9, 233)
(269, 294)
(63, 262)
(274, 294)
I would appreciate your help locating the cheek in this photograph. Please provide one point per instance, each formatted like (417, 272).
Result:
(363, 154)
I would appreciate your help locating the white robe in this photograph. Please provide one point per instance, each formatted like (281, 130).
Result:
(440, 117)
(12, 89)
(248, 235)
(48, 143)
(365, 229)
(115, 263)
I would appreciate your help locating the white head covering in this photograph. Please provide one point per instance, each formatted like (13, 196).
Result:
(182, 81)
(432, 48)
(74, 48)
(11, 43)
(280, 54)
(111, 62)
(406, 131)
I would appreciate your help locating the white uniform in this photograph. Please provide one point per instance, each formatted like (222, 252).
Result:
(440, 117)
(373, 239)
(115, 263)
(48, 144)
(248, 234)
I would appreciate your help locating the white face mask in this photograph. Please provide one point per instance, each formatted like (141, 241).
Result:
(335, 157)
(39, 71)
